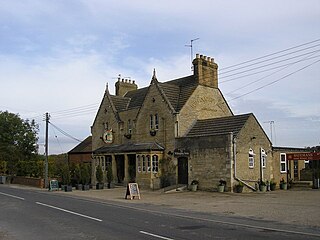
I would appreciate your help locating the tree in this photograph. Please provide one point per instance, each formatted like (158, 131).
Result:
(18, 140)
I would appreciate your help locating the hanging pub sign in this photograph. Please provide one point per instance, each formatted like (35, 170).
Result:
(108, 136)
(180, 152)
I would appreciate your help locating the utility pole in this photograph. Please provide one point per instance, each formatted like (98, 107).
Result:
(191, 50)
(46, 180)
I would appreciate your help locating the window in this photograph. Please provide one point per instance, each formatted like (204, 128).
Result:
(155, 164)
(263, 158)
(143, 163)
(139, 163)
(156, 121)
(148, 163)
(251, 158)
(129, 126)
(283, 163)
(151, 122)
(176, 128)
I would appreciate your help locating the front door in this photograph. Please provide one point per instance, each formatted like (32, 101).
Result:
(182, 170)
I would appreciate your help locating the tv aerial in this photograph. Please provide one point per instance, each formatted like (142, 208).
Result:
(191, 49)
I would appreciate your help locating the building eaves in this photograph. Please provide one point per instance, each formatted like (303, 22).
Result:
(84, 147)
(130, 147)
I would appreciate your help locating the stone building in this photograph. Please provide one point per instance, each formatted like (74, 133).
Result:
(177, 131)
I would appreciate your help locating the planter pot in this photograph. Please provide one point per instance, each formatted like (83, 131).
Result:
(85, 187)
(99, 186)
(193, 187)
(67, 188)
(78, 186)
(272, 187)
(221, 188)
(283, 186)
(263, 188)
(239, 189)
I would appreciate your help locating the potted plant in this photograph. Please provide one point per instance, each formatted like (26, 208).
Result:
(239, 187)
(194, 185)
(85, 177)
(222, 185)
(66, 179)
(99, 176)
(109, 175)
(262, 186)
(77, 176)
(273, 185)
(283, 184)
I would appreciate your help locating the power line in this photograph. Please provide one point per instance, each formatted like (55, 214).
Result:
(64, 133)
(271, 54)
(275, 80)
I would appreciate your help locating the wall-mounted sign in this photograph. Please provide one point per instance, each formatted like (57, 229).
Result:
(108, 136)
(179, 152)
(304, 156)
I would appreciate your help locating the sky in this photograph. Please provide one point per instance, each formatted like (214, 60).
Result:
(58, 56)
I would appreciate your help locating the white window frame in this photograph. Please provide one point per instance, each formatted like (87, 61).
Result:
(143, 163)
(151, 122)
(263, 158)
(155, 163)
(148, 163)
(156, 121)
(129, 126)
(283, 162)
(251, 158)
(139, 163)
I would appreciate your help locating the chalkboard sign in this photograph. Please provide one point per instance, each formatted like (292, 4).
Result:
(53, 185)
(132, 191)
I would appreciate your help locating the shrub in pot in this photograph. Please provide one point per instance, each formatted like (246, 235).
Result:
(99, 176)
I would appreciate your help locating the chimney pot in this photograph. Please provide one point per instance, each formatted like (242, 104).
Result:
(197, 55)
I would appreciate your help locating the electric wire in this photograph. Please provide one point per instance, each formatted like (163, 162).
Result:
(268, 84)
(271, 54)
(64, 133)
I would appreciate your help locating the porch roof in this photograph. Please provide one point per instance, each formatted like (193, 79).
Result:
(130, 147)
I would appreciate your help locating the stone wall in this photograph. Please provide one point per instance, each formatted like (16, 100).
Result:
(204, 103)
(209, 160)
(253, 137)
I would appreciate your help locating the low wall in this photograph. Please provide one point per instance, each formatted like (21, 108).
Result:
(35, 182)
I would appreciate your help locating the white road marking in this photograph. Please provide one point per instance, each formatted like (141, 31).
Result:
(9, 195)
(154, 235)
(67, 211)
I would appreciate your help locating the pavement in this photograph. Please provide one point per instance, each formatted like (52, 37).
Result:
(299, 207)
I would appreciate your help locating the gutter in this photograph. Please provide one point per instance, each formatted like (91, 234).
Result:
(234, 143)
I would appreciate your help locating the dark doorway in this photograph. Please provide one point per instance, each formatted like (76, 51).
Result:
(182, 170)
(132, 167)
(120, 168)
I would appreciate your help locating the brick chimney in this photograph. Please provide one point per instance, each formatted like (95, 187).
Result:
(124, 85)
(205, 71)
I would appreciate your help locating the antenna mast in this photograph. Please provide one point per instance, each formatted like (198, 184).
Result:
(191, 50)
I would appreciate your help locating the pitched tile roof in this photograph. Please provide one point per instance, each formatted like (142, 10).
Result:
(84, 147)
(223, 125)
(136, 97)
(177, 92)
(120, 103)
(130, 147)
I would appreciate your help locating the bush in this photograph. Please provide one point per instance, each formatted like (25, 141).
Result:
(99, 174)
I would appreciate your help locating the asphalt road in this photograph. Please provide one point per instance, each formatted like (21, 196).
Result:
(33, 214)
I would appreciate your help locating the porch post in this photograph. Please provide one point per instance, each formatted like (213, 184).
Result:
(114, 168)
(126, 168)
